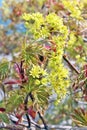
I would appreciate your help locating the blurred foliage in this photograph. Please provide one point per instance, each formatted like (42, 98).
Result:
(38, 31)
(4, 69)
(80, 117)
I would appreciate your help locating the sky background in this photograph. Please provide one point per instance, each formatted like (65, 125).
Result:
(0, 2)
(19, 27)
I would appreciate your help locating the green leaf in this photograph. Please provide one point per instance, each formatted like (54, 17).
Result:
(13, 102)
(4, 67)
(4, 118)
(42, 97)
(2, 104)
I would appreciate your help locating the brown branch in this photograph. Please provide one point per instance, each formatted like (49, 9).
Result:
(40, 116)
(43, 121)
(70, 64)
(12, 127)
(27, 116)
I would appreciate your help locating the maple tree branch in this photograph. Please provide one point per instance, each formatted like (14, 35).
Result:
(12, 127)
(43, 121)
(27, 116)
(70, 64)
(40, 116)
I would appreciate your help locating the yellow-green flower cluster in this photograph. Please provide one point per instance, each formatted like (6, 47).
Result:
(54, 21)
(76, 48)
(73, 6)
(37, 71)
(35, 22)
(43, 81)
(72, 39)
(42, 27)
(51, 25)
(58, 78)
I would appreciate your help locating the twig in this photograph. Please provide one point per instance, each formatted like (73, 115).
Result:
(27, 116)
(70, 64)
(34, 123)
(11, 127)
(43, 121)
(40, 116)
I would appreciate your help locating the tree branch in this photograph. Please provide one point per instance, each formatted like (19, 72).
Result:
(70, 64)
(40, 116)
(43, 121)
(25, 105)
(12, 127)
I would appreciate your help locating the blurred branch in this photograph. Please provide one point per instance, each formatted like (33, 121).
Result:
(12, 127)
(27, 116)
(70, 64)
(43, 121)
(40, 116)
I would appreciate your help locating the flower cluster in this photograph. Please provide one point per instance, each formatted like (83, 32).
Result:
(37, 71)
(35, 22)
(73, 7)
(43, 27)
(46, 27)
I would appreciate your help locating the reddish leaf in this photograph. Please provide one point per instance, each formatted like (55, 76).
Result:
(17, 68)
(50, 2)
(85, 97)
(20, 70)
(12, 81)
(85, 70)
(2, 110)
(32, 112)
(19, 117)
(47, 47)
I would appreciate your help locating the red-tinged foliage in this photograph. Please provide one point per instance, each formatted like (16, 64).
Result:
(21, 74)
(60, 5)
(85, 70)
(53, 47)
(12, 81)
(47, 47)
(17, 12)
(56, 5)
(32, 112)
(2, 110)
(19, 116)
(79, 49)
(20, 112)
(50, 2)
(85, 97)
(20, 71)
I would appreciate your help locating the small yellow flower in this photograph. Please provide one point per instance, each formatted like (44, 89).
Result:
(37, 82)
(77, 56)
(35, 71)
(83, 58)
(43, 72)
(44, 81)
